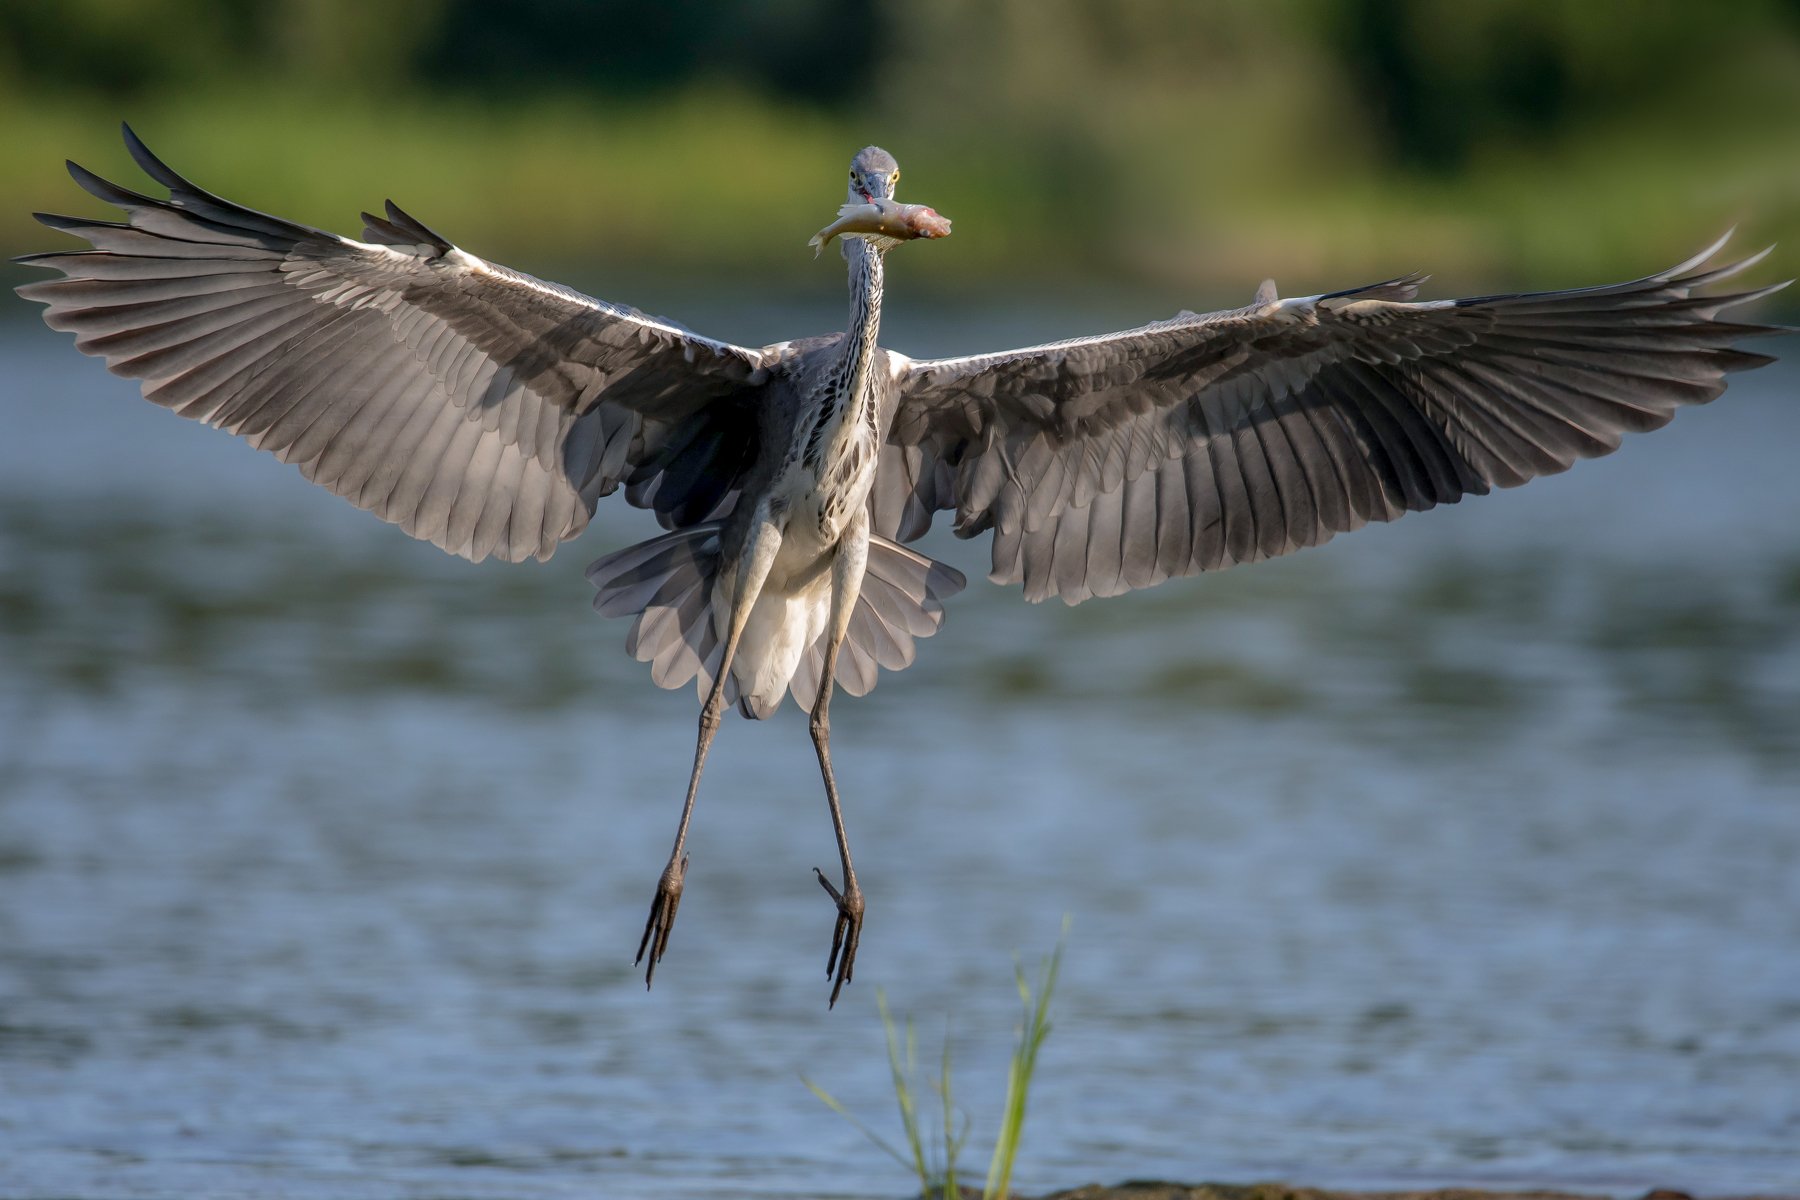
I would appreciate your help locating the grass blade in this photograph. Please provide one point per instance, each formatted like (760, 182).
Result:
(1032, 1033)
(837, 1106)
(904, 1066)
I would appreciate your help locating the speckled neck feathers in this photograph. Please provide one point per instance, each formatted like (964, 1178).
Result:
(849, 390)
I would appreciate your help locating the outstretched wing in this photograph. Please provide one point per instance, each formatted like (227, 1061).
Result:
(476, 407)
(1111, 463)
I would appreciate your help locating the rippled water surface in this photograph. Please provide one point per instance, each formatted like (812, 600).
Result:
(1465, 849)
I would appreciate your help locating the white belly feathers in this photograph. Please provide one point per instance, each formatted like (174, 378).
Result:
(795, 604)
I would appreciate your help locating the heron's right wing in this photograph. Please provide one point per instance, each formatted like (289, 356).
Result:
(476, 407)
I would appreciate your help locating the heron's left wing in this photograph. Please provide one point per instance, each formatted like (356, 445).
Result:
(474, 406)
(1111, 463)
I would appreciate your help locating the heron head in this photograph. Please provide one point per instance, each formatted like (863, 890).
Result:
(873, 174)
(871, 213)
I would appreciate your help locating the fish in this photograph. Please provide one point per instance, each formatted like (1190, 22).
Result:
(883, 218)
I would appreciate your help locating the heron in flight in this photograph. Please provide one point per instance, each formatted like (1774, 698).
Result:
(487, 412)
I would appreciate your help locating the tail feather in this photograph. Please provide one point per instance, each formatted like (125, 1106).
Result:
(805, 684)
(629, 579)
(678, 658)
(902, 599)
(868, 628)
(856, 669)
(667, 585)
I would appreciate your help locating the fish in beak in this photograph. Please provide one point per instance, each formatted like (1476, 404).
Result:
(883, 218)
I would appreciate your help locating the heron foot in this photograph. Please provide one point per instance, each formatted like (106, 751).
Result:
(662, 917)
(841, 966)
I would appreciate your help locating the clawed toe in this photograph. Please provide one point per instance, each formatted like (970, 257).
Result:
(840, 967)
(662, 917)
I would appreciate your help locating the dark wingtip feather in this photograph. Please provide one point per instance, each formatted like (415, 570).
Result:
(1744, 360)
(74, 225)
(151, 165)
(105, 189)
(1401, 287)
(186, 194)
(1698, 260)
(1755, 294)
(1697, 278)
(375, 229)
(416, 231)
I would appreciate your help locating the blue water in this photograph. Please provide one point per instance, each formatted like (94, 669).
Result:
(1465, 850)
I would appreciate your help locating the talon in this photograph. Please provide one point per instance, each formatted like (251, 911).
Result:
(662, 917)
(840, 966)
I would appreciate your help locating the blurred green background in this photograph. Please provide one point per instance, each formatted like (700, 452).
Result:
(1180, 148)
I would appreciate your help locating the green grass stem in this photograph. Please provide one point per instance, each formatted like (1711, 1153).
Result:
(935, 1166)
(1033, 1031)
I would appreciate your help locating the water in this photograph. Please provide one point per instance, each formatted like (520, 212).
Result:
(1462, 850)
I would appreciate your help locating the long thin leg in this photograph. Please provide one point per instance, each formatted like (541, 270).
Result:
(752, 571)
(846, 586)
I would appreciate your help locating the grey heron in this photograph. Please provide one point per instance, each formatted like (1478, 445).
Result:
(487, 412)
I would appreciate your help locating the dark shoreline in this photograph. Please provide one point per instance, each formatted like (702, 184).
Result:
(1144, 1189)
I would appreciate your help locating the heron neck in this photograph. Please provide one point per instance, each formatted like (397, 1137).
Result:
(844, 410)
(865, 314)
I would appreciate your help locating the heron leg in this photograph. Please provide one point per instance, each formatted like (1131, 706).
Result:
(846, 585)
(752, 570)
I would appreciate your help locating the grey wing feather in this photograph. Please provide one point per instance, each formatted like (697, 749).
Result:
(1111, 463)
(476, 407)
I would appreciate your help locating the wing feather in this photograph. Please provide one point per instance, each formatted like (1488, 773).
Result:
(1109, 463)
(448, 395)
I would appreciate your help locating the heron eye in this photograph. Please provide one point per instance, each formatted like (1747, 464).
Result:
(894, 179)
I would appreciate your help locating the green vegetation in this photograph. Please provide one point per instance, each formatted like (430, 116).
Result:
(1022, 1070)
(1162, 144)
(935, 1163)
